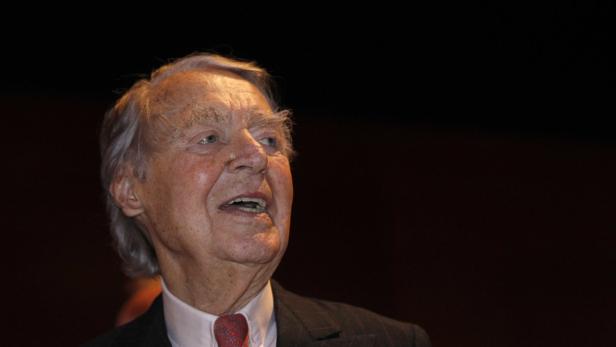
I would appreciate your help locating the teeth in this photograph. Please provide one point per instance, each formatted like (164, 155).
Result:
(259, 204)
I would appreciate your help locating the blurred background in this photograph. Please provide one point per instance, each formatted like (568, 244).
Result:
(456, 165)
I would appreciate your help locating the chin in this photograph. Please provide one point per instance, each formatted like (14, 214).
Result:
(260, 249)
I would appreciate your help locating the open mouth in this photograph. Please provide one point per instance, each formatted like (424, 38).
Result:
(246, 204)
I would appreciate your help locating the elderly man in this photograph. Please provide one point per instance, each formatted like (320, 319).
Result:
(196, 164)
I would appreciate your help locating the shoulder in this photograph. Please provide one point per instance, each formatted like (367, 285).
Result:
(352, 318)
(347, 320)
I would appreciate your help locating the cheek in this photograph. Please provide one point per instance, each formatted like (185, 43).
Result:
(198, 182)
(282, 182)
(188, 186)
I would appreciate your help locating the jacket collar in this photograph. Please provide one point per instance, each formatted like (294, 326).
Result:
(300, 322)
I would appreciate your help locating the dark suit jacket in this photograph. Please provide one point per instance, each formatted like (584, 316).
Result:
(300, 322)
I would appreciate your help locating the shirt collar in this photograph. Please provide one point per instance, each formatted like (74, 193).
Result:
(188, 326)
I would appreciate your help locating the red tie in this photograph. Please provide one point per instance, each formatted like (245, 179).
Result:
(231, 331)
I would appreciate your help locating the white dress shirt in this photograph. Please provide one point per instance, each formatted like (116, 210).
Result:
(190, 327)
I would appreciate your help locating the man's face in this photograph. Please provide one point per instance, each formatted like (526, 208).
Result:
(218, 188)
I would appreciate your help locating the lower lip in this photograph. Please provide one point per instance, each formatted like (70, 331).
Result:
(238, 212)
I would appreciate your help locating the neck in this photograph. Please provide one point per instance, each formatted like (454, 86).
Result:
(218, 290)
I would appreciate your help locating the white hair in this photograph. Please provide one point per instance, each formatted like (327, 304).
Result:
(125, 145)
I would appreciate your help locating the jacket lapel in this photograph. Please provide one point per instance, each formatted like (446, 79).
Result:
(301, 322)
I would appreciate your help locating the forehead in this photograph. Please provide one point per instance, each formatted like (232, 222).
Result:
(195, 92)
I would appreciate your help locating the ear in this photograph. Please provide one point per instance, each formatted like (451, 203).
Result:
(123, 190)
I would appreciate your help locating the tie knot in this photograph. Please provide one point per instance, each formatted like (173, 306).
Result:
(231, 331)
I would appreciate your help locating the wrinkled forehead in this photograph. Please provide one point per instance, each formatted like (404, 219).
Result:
(186, 97)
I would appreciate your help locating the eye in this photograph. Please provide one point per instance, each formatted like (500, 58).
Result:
(208, 139)
(270, 141)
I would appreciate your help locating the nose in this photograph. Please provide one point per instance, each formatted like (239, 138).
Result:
(247, 154)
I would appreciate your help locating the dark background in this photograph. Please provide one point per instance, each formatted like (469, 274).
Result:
(456, 165)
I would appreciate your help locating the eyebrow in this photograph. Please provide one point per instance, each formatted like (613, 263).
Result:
(259, 119)
(206, 114)
(256, 119)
